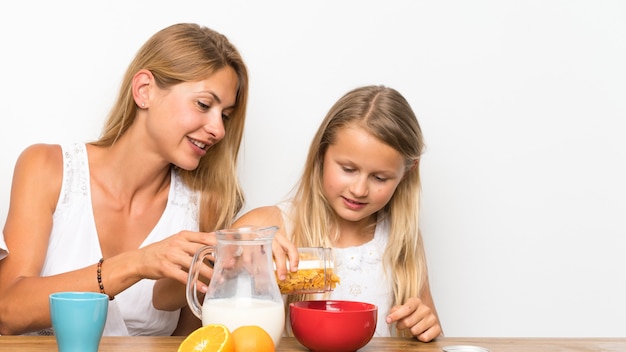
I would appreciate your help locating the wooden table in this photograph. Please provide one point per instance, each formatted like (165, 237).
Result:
(380, 344)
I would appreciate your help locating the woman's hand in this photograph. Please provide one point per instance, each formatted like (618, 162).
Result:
(417, 317)
(168, 261)
(171, 257)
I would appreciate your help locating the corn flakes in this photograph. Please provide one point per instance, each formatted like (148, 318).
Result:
(308, 281)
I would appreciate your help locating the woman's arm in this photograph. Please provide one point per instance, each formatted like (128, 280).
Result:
(24, 302)
(187, 323)
(168, 295)
(35, 190)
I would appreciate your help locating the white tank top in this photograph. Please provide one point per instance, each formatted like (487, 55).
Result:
(363, 279)
(74, 244)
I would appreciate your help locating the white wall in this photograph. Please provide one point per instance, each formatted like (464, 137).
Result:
(523, 105)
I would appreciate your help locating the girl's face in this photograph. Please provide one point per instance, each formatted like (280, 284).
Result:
(360, 175)
(187, 119)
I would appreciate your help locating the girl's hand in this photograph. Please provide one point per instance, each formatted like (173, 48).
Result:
(283, 249)
(418, 318)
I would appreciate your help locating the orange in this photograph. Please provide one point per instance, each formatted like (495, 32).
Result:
(209, 338)
(252, 338)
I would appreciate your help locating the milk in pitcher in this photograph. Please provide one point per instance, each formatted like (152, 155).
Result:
(240, 311)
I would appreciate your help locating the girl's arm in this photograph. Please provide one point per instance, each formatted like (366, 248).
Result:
(282, 247)
(418, 315)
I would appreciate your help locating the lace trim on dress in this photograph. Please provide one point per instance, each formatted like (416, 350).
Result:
(74, 161)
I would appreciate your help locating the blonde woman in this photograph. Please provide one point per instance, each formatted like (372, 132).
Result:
(113, 215)
(359, 194)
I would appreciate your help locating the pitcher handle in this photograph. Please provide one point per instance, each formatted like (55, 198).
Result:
(192, 279)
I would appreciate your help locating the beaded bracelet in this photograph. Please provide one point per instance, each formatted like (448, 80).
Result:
(100, 279)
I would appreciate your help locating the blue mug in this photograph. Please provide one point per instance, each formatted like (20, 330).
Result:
(78, 320)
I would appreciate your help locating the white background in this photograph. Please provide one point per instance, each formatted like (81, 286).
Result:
(522, 103)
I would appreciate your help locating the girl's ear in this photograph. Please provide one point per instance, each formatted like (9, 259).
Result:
(412, 167)
(142, 83)
(416, 163)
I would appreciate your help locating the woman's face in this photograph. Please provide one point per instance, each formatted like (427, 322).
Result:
(185, 120)
(360, 175)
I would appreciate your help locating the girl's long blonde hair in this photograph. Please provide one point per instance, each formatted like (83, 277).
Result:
(188, 52)
(385, 113)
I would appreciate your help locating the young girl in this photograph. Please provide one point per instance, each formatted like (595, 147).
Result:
(113, 215)
(359, 194)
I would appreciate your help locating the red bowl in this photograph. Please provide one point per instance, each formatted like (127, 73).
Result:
(331, 325)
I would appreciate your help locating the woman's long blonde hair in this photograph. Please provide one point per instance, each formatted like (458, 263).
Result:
(188, 52)
(385, 113)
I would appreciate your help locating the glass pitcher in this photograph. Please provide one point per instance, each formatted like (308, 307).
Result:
(243, 289)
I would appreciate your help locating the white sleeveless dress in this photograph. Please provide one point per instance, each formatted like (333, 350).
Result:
(74, 244)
